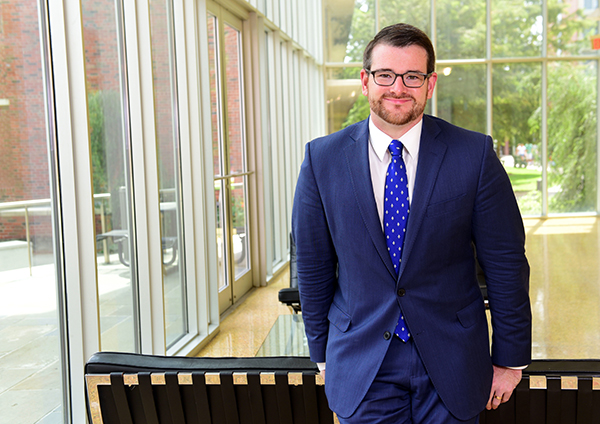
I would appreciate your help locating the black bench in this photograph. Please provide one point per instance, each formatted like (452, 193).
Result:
(124, 388)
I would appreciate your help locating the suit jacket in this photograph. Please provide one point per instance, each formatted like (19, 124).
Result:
(351, 296)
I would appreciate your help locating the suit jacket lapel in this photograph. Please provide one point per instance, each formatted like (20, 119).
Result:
(357, 157)
(431, 154)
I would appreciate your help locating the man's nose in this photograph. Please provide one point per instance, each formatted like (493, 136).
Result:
(398, 85)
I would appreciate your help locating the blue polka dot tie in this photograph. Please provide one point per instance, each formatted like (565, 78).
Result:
(395, 216)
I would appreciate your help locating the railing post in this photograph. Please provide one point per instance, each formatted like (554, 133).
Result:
(28, 235)
(103, 226)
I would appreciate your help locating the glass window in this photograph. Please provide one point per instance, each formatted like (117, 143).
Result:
(461, 29)
(571, 27)
(572, 137)
(517, 28)
(348, 30)
(414, 12)
(111, 159)
(31, 315)
(461, 94)
(345, 101)
(517, 122)
(167, 131)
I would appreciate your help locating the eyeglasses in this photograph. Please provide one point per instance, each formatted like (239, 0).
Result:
(410, 79)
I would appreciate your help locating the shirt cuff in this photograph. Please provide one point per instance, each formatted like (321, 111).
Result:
(321, 366)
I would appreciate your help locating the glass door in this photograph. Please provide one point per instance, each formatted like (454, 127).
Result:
(229, 155)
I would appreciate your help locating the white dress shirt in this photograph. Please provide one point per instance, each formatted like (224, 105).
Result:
(380, 158)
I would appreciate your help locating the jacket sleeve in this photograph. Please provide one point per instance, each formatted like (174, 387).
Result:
(316, 258)
(500, 242)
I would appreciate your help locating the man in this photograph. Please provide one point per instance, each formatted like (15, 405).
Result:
(400, 329)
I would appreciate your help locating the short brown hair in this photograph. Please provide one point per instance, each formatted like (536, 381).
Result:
(401, 35)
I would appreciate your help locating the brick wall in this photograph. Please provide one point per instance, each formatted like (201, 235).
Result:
(24, 170)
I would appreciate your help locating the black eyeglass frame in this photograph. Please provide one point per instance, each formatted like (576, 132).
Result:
(425, 77)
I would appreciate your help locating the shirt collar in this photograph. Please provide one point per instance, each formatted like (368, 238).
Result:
(380, 141)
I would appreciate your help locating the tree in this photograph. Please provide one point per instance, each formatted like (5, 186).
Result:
(572, 137)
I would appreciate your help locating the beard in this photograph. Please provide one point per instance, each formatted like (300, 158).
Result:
(395, 117)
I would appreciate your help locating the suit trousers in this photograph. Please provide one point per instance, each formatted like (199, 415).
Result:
(402, 392)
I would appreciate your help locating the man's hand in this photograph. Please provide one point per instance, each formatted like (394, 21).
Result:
(504, 382)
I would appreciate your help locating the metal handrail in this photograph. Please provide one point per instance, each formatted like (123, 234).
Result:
(24, 207)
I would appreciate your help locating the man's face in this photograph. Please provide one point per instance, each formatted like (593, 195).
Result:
(397, 105)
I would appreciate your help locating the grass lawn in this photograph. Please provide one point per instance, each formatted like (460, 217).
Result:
(524, 179)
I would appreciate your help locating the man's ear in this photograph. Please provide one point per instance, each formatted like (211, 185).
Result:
(364, 82)
(431, 81)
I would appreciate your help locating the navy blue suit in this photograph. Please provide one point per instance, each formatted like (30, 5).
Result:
(351, 297)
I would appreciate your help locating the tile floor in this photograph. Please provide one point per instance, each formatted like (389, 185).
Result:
(244, 329)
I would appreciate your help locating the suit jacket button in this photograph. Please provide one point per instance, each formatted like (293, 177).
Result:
(401, 292)
(387, 335)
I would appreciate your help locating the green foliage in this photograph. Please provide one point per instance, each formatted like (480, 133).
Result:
(524, 179)
(362, 30)
(517, 97)
(461, 29)
(359, 111)
(572, 137)
(530, 203)
(96, 122)
(106, 139)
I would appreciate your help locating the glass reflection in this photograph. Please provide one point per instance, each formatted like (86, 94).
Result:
(221, 228)
(235, 117)
(109, 138)
(167, 130)
(239, 217)
(345, 103)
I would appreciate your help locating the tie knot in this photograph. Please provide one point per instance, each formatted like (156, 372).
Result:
(395, 148)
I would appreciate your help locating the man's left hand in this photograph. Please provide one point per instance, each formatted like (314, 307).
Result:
(504, 382)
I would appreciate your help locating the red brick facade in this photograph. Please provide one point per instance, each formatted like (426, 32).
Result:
(24, 170)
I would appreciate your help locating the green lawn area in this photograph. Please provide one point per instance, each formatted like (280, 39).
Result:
(524, 179)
